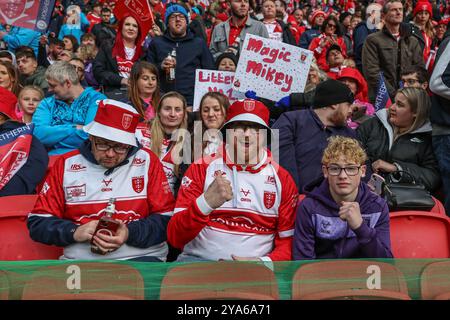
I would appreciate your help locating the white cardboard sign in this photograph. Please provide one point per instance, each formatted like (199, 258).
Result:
(213, 80)
(271, 68)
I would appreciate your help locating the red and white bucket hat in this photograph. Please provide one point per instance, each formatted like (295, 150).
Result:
(248, 110)
(115, 121)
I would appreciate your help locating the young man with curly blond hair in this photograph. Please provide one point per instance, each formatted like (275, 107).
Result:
(340, 217)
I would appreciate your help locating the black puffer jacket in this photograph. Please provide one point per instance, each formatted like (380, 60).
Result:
(413, 152)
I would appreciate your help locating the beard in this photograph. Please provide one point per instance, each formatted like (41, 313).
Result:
(237, 14)
(338, 118)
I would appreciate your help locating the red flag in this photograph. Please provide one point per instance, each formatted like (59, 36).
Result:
(140, 9)
(20, 13)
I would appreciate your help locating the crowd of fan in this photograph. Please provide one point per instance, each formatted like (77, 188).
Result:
(56, 80)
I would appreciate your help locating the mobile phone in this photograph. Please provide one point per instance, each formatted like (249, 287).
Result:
(376, 183)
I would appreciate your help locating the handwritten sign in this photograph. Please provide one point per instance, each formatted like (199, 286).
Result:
(213, 80)
(271, 68)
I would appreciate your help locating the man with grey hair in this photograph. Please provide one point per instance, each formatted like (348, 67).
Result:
(59, 118)
(391, 50)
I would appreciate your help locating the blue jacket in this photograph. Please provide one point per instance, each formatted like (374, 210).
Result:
(307, 37)
(76, 30)
(33, 171)
(192, 53)
(56, 121)
(303, 137)
(359, 37)
(320, 233)
(22, 37)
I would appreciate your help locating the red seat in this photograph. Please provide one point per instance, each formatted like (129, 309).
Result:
(435, 281)
(438, 207)
(348, 279)
(97, 281)
(218, 281)
(15, 241)
(419, 234)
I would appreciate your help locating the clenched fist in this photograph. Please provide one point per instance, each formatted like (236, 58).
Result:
(350, 212)
(218, 192)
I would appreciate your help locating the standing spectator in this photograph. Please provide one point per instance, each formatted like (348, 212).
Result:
(415, 77)
(399, 139)
(317, 18)
(277, 29)
(104, 31)
(108, 159)
(48, 55)
(95, 16)
(17, 37)
(331, 35)
(230, 35)
(75, 24)
(340, 217)
(423, 27)
(29, 71)
(144, 92)
(227, 61)
(345, 19)
(297, 24)
(439, 31)
(113, 63)
(390, 51)
(28, 100)
(238, 205)
(440, 115)
(9, 78)
(372, 24)
(304, 133)
(59, 119)
(191, 54)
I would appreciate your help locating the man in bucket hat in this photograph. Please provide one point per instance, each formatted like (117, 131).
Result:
(240, 204)
(110, 164)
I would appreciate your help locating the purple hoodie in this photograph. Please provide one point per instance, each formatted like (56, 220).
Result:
(319, 232)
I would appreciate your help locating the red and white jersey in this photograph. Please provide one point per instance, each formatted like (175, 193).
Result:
(257, 222)
(78, 190)
(144, 137)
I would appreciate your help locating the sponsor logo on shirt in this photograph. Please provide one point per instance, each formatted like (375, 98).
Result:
(45, 188)
(270, 180)
(77, 167)
(106, 184)
(246, 193)
(138, 162)
(186, 182)
(76, 191)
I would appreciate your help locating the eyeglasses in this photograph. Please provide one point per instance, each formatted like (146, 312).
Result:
(336, 170)
(119, 149)
(176, 16)
(79, 69)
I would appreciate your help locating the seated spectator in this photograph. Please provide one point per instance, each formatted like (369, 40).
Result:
(29, 71)
(399, 139)
(9, 78)
(331, 34)
(335, 61)
(239, 205)
(340, 217)
(303, 134)
(166, 136)
(8, 56)
(362, 109)
(95, 16)
(79, 66)
(33, 167)
(59, 119)
(87, 53)
(65, 55)
(317, 18)
(113, 64)
(278, 29)
(207, 138)
(49, 54)
(227, 61)
(70, 43)
(28, 99)
(88, 39)
(62, 217)
(144, 91)
(415, 77)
